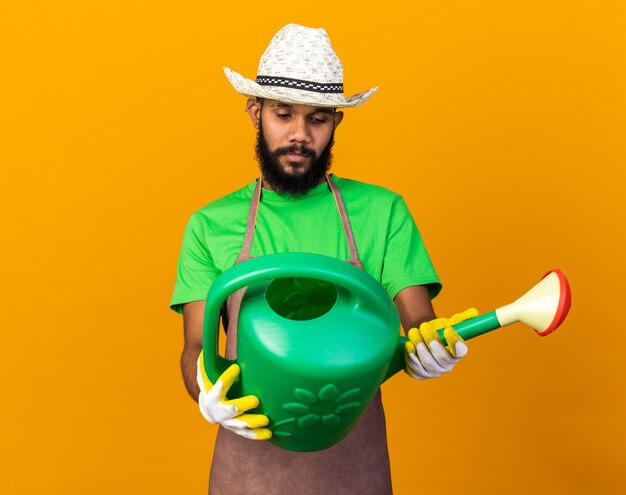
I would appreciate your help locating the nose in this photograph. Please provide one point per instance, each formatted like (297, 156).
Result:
(299, 132)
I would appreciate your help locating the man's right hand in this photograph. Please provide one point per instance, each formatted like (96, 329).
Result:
(217, 409)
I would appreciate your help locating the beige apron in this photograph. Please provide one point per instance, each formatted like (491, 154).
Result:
(359, 464)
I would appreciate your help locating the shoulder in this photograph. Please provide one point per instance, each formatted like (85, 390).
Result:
(223, 208)
(354, 190)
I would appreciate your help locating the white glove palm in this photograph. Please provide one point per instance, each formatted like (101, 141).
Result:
(424, 352)
(216, 409)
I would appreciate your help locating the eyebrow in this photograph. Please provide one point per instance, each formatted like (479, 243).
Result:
(280, 104)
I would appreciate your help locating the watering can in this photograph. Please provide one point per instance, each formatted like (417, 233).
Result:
(317, 337)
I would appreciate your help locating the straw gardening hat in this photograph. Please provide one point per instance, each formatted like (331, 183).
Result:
(299, 66)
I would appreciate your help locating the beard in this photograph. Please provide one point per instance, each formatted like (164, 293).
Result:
(292, 185)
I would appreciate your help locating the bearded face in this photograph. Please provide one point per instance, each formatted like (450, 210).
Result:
(301, 176)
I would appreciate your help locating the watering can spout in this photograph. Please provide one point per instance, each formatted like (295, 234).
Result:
(544, 307)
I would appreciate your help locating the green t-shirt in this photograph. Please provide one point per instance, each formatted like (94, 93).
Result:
(388, 241)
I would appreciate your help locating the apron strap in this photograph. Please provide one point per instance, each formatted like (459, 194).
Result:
(252, 213)
(345, 221)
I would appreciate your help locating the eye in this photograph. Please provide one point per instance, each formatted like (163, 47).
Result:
(283, 115)
(319, 119)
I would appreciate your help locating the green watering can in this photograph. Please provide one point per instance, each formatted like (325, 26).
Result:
(317, 337)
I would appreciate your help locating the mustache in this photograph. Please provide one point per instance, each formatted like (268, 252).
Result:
(294, 148)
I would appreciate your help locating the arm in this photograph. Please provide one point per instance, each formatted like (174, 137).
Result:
(193, 317)
(196, 272)
(414, 306)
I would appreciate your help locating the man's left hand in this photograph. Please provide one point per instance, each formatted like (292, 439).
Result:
(424, 352)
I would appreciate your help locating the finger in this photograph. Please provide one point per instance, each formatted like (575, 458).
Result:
(244, 403)
(417, 368)
(228, 378)
(440, 323)
(414, 367)
(456, 344)
(428, 361)
(459, 317)
(437, 323)
(262, 433)
(429, 333)
(415, 337)
(409, 350)
(444, 359)
(252, 434)
(254, 420)
(423, 363)
(441, 354)
(241, 428)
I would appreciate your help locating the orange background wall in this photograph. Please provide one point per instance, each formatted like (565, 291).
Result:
(501, 123)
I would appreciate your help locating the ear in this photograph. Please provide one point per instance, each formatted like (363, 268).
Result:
(338, 117)
(253, 108)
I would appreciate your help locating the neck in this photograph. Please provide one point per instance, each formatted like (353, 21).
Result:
(266, 184)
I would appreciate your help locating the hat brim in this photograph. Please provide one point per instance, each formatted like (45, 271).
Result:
(247, 87)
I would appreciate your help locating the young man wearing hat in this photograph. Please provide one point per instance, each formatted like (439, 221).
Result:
(297, 206)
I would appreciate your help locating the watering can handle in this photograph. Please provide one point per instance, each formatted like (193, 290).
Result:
(368, 292)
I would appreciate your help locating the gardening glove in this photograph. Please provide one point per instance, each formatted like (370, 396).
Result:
(217, 409)
(424, 352)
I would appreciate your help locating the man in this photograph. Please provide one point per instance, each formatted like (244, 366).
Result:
(297, 206)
